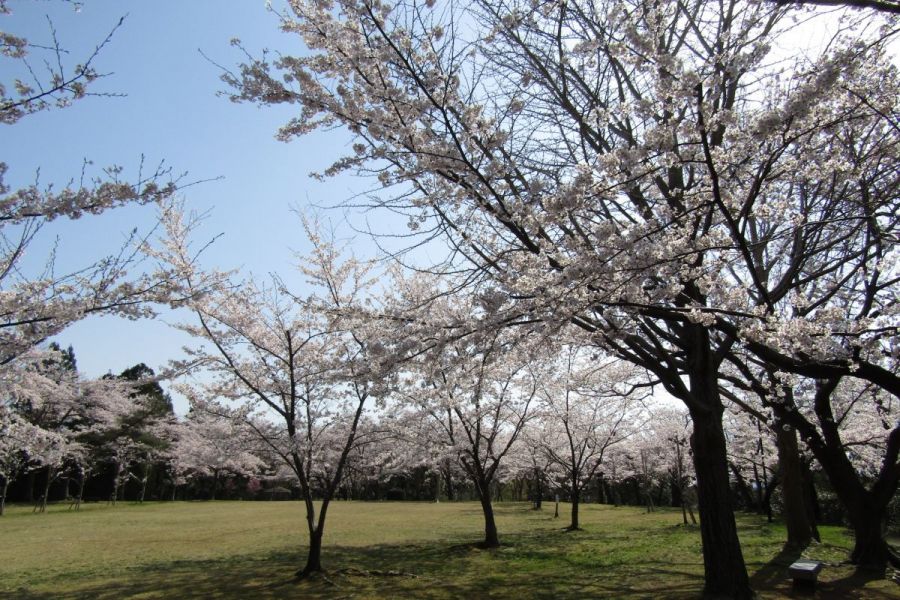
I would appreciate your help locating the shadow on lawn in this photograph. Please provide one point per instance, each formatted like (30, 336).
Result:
(842, 581)
(422, 571)
(532, 565)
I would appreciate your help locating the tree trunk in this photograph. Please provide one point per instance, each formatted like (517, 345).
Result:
(573, 526)
(870, 550)
(3, 496)
(46, 489)
(29, 487)
(144, 479)
(448, 484)
(215, 482)
(314, 557)
(723, 562)
(796, 516)
(491, 538)
(81, 480)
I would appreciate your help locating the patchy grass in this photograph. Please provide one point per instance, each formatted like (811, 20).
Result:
(231, 550)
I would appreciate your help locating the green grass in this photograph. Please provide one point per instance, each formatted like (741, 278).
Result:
(250, 550)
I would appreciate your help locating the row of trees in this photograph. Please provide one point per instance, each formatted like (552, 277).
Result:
(655, 183)
(348, 384)
(662, 177)
(61, 425)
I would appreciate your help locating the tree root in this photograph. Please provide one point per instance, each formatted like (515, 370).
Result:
(303, 574)
(354, 572)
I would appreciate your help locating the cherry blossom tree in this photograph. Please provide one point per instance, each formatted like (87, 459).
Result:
(588, 406)
(476, 394)
(672, 429)
(16, 437)
(38, 303)
(213, 441)
(298, 368)
(642, 171)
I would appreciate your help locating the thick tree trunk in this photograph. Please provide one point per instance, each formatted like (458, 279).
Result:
(870, 550)
(800, 526)
(723, 562)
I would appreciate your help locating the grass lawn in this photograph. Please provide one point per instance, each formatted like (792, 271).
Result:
(250, 550)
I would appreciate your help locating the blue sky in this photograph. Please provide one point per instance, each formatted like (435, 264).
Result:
(170, 112)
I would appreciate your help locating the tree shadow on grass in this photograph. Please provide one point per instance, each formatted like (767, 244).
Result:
(532, 565)
(526, 566)
(841, 580)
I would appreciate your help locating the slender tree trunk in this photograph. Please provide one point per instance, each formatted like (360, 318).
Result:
(491, 538)
(215, 483)
(144, 479)
(758, 500)
(29, 487)
(723, 562)
(437, 488)
(576, 497)
(448, 483)
(314, 556)
(81, 479)
(3, 495)
(538, 489)
(46, 489)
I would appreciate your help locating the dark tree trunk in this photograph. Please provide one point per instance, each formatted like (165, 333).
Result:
(3, 495)
(811, 498)
(448, 484)
(866, 508)
(491, 538)
(675, 489)
(314, 557)
(723, 562)
(538, 489)
(29, 487)
(576, 497)
(797, 518)
(767, 499)
(215, 484)
(743, 488)
(760, 486)
(870, 550)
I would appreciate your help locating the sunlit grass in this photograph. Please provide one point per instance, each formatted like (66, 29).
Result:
(385, 550)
